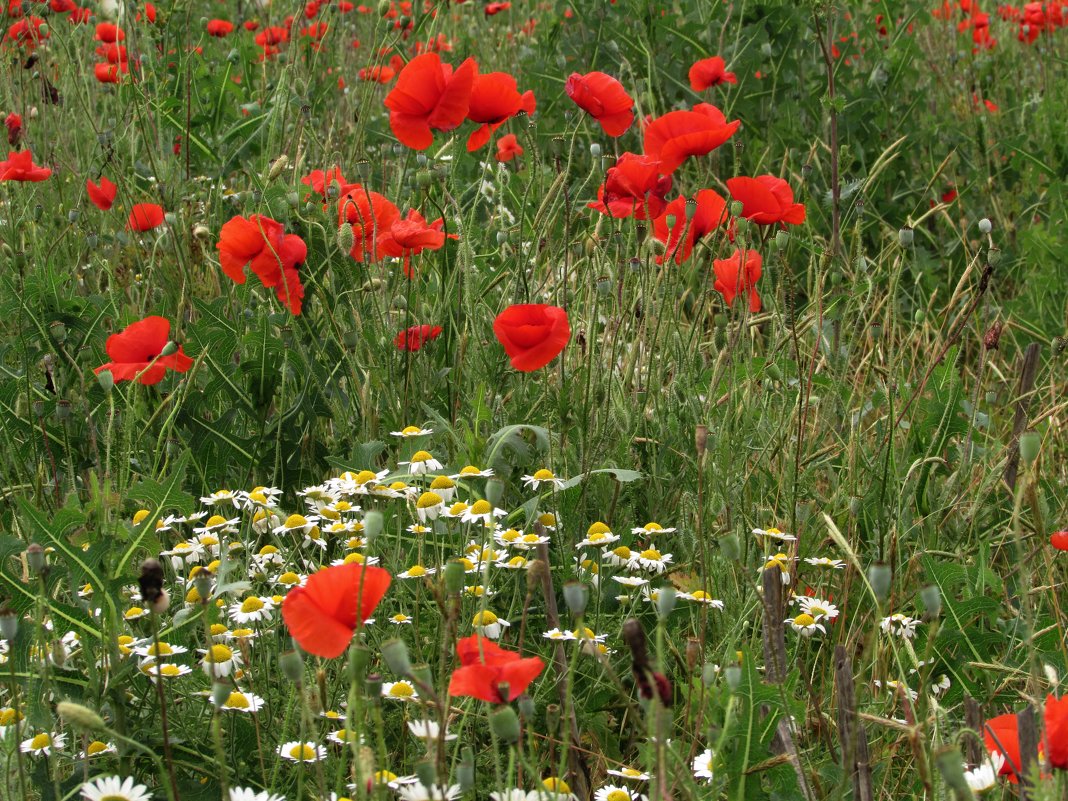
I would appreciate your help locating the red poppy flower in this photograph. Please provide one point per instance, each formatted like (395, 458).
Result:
(27, 32)
(272, 254)
(415, 337)
(324, 614)
(377, 74)
(734, 278)
(1001, 736)
(532, 334)
(109, 32)
(411, 235)
(13, 123)
(135, 352)
(102, 194)
(508, 148)
(429, 96)
(766, 200)
(496, 8)
(603, 98)
(320, 181)
(710, 72)
(1059, 540)
(679, 134)
(710, 213)
(19, 166)
(145, 217)
(494, 100)
(633, 187)
(219, 28)
(112, 53)
(370, 214)
(485, 666)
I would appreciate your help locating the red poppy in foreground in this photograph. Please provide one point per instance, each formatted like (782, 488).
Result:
(409, 236)
(323, 615)
(532, 334)
(415, 337)
(634, 187)
(734, 278)
(1059, 540)
(19, 166)
(485, 666)
(710, 213)
(1001, 736)
(603, 98)
(680, 134)
(710, 72)
(495, 99)
(272, 254)
(766, 200)
(102, 193)
(508, 148)
(429, 96)
(145, 217)
(135, 352)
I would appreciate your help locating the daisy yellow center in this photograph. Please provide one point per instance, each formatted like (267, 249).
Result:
(544, 475)
(700, 595)
(364, 476)
(598, 528)
(584, 633)
(216, 520)
(170, 670)
(40, 741)
(237, 701)
(467, 563)
(219, 653)
(653, 527)
(124, 639)
(355, 558)
(815, 609)
(398, 486)
(342, 734)
(332, 715)
(95, 747)
(442, 482)
(481, 508)
(631, 772)
(618, 795)
(267, 550)
(555, 785)
(411, 430)
(163, 649)
(623, 552)
(343, 506)
(421, 456)
(385, 776)
(651, 553)
(804, 619)
(530, 538)
(416, 570)
(775, 561)
(469, 470)
(597, 536)
(289, 577)
(140, 515)
(331, 514)
(134, 611)
(402, 689)
(7, 717)
(218, 629)
(511, 535)
(258, 497)
(303, 752)
(773, 531)
(296, 521)
(477, 591)
(242, 633)
(484, 618)
(251, 604)
(428, 499)
(260, 515)
(547, 519)
(517, 561)
(400, 618)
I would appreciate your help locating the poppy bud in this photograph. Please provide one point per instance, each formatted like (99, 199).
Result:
(395, 655)
(879, 576)
(505, 724)
(465, 771)
(595, 150)
(81, 716)
(72, 215)
(731, 547)
(709, 672)
(993, 257)
(203, 585)
(576, 596)
(665, 602)
(384, 7)
(1030, 443)
(736, 208)
(494, 490)
(782, 239)
(527, 709)
(373, 523)
(219, 693)
(765, 49)
(454, 577)
(9, 623)
(905, 237)
(35, 558)
(373, 687)
(233, 56)
(421, 674)
(292, 666)
(985, 226)
(277, 166)
(43, 30)
(733, 674)
(359, 659)
(428, 776)
(932, 601)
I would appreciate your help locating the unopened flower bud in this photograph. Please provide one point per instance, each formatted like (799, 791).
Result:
(345, 237)
(731, 547)
(880, 577)
(931, 597)
(576, 596)
(985, 226)
(395, 655)
(454, 577)
(428, 776)
(277, 166)
(905, 237)
(81, 716)
(9, 623)
(782, 239)
(465, 771)
(993, 257)
(35, 558)
(373, 687)
(292, 666)
(1030, 444)
(220, 693)
(373, 523)
(505, 724)
(665, 601)
(169, 349)
(733, 674)
(106, 380)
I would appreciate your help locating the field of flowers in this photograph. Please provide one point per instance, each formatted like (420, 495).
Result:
(545, 400)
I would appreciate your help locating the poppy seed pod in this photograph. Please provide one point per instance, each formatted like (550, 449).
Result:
(1030, 444)
(395, 655)
(35, 558)
(905, 237)
(505, 723)
(428, 775)
(576, 596)
(373, 523)
(454, 577)
(292, 666)
(880, 577)
(465, 771)
(993, 257)
(277, 166)
(373, 687)
(985, 226)
(81, 716)
(9, 623)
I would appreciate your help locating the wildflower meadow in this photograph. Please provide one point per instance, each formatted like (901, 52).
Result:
(544, 400)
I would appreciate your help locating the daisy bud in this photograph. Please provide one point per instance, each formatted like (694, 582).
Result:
(395, 655)
(985, 226)
(454, 577)
(505, 724)
(932, 601)
(81, 716)
(373, 522)
(1030, 443)
(219, 693)
(35, 558)
(9, 623)
(292, 666)
(465, 771)
(576, 596)
(879, 576)
(345, 237)
(905, 237)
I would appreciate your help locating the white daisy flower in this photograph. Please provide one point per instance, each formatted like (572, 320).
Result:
(805, 625)
(248, 794)
(652, 529)
(421, 463)
(620, 556)
(220, 660)
(428, 730)
(598, 536)
(417, 791)
(514, 563)
(900, 625)
(166, 670)
(98, 748)
(984, 777)
(817, 607)
(429, 506)
(296, 751)
(114, 788)
(482, 511)
(400, 619)
(543, 476)
(412, 431)
(417, 572)
(252, 609)
(297, 522)
(150, 650)
(701, 597)
(222, 497)
(341, 736)
(218, 523)
(559, 634)
(399, 690)
(631, 581)
(488, 624)
(652, 560)
(774, 534)
(242, 702)
(823, 561)
(781, 561)
(470, 471)
(612, 792)
(44, 743)
(629, 773)
(702, 765)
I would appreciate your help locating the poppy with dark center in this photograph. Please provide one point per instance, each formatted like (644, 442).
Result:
(19, 166)
(634, 187)
(485, 667)
(416, 336)
(429, 96)
(145, 217)
(710, 72)
(272, 254)
(1001, 735)
(508, 148)
(738, 275)
(135, 352)
(370, 215)
(766, 200)
(495, 99)
(325, 613)
(677, 135)
(411, 235)
(101, 194)
(533, 334)
(603, 98)
(710, 213)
